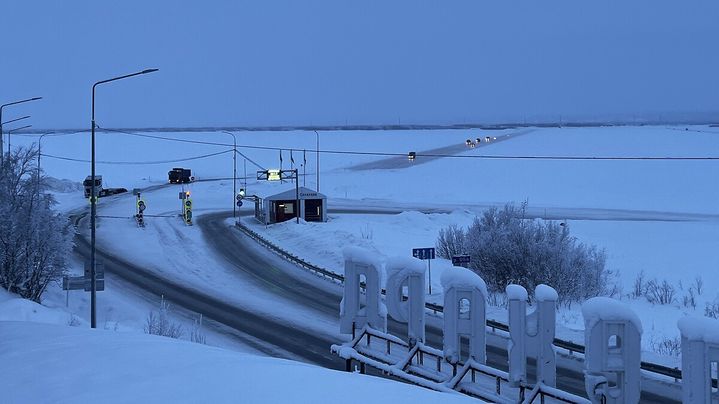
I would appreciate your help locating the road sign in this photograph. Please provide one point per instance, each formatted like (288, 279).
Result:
(99, 285)
(73, 282)
(136, 191)
(99, 269)
(460, 260)
(183, 195)
(239, 204)
(423, 253)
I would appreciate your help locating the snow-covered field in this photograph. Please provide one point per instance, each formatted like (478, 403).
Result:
(647, 192)
(79, 365)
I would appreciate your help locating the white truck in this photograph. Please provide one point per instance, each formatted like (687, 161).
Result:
(99, 190)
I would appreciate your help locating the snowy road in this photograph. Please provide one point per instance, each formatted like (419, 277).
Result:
(291, 285)
(399, 162)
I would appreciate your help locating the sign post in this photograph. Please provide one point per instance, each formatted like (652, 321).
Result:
(425, 254)
(278, 175)
(461, 260)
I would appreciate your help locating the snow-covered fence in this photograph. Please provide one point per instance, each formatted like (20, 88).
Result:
(569, 346)
(358, 263)
(700, 356)
(612, 337)
(532, 334)
(465, 313)
(407, 271)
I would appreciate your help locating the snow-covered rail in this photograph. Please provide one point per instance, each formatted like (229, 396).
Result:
(426, 367)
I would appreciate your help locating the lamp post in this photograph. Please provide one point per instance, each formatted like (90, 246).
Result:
(39, 152)
(11, 131)
(234, 173)
(318, 161)
(93, 201)
(15, 120)
(7, 105)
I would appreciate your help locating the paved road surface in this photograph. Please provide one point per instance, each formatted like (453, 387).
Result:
(399, 162)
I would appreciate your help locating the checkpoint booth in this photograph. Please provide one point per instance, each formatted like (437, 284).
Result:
(281, 207)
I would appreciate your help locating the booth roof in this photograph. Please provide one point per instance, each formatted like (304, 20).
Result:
(289, 194)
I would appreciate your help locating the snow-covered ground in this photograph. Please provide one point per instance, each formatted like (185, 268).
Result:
(77, 365)
(463, 186)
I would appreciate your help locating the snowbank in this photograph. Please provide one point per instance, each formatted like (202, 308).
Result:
(699, 329)
(39, 363)
(463, 277)
(604, 308)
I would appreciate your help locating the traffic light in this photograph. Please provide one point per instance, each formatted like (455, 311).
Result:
(188, 211)
(140, 209)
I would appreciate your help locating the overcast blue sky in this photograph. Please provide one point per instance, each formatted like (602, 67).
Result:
(327, 62)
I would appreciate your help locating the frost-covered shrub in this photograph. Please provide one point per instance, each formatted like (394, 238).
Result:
(160, 324)
(450, 242)
(667, 346)
(712, 309)
(660, 293)
(505, 248)
(639, 287)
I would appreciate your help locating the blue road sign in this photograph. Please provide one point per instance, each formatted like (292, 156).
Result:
(423, 253)
(460, 259)
(239, 203)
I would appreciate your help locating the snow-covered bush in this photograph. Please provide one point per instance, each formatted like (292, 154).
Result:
(711, 309)
(506, 247)
(450, 242)
(667, 346)
(639, 287)
(660, 293)
(160, 324)
(34, 241)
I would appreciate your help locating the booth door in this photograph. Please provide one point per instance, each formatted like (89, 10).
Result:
(284, 210)
(313, 210)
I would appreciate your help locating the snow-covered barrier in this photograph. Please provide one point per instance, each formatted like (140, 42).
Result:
(465, 313)
(532, 335)
(407, 271)
(700, 349)
(612, 337)
(358, 263)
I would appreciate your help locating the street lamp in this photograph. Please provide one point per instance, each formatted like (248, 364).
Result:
(39, 150)
(93, 202)
(11, 131)
(318, 161)
(234, 172)
(15, 120)
(7, 105)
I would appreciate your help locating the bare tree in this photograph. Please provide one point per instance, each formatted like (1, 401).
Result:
(34, 240)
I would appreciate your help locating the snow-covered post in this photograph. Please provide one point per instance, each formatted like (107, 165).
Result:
(461, 285)
(700, 349)
(360, 262)
(516, 346)
(532, 334)
(407, 271)
(612, 338)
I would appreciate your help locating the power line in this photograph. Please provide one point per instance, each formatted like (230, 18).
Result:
(431, 155)
(138, 162)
